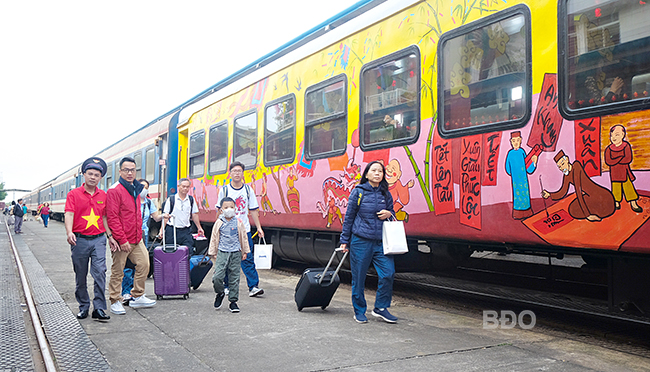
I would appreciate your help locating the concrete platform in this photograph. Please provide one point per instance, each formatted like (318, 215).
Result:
(271, 335)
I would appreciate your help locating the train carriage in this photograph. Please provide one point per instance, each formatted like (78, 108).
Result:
(518, 125)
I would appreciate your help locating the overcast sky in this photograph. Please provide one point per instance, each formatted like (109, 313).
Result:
(77, 76)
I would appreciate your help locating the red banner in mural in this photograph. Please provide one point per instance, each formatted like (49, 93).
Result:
(491, 145)
(547, 121)
(470, 181)
(441, 177)
(587, 137)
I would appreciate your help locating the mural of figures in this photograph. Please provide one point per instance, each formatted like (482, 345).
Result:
(336, 192)
(518, 169)
(618, 155)
(400, 192)
(265, 202)
(592, 202)
(293, 196)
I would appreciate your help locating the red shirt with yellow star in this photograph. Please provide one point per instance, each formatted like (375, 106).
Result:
(88, 210)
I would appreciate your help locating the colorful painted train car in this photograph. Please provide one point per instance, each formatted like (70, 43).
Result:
(518, 125)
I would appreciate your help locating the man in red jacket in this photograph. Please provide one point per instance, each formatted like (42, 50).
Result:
(125, 221)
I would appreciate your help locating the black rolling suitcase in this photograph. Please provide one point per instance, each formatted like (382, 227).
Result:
(317, 286)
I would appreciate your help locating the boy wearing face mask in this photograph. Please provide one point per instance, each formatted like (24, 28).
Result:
(228, 247)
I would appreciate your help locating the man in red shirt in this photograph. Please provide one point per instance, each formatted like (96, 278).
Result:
(84, 207)
(125, 220)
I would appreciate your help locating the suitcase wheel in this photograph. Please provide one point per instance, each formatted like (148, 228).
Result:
(323, 307)
(158, 297)
(185, 296)
(299, 308)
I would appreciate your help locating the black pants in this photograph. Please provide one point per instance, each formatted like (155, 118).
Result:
(183, 236)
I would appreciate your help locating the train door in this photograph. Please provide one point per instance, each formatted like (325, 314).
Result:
(183, 148)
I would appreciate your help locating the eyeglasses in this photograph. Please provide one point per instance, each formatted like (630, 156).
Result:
(236, 171)
(128, 170)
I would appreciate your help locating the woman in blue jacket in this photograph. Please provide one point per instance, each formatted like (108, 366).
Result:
(369, 205)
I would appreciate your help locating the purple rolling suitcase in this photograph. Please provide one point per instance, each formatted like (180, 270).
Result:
(171, 270)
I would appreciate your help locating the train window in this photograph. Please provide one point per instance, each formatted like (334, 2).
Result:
(280, 131)
(218, 150)
(606, 64)
(484, 74)
(390, 100)
(326, 118)
(245, 139)
(150, 165)
(138, 164)
(109, 175)
(197, 154)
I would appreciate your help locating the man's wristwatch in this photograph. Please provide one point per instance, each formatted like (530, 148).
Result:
(109, 236)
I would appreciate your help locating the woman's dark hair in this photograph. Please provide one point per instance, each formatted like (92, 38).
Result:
(383, 185)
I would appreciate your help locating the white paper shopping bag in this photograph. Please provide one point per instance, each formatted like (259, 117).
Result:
(263, 255)
(394, 237)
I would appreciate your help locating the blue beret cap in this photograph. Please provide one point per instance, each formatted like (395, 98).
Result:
(94, 163)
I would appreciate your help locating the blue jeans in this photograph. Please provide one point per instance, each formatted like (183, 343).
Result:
(362, 253)
(248, 267)
(46, 218)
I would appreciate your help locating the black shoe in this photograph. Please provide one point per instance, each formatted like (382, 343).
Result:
(233, 307)
(83, 314)
(100, 314)
(637, 209)
(219, 300)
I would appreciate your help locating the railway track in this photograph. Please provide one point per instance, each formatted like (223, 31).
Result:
(41, 355)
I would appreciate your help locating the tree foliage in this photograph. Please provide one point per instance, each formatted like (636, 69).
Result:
(3, 193)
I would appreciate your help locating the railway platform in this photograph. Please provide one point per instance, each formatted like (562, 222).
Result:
(268, 335)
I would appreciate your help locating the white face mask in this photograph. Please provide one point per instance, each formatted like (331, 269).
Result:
(229, 212)
(144, 193)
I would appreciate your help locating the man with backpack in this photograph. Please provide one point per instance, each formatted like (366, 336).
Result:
(245, 201)
(18, 217)
(182, 207)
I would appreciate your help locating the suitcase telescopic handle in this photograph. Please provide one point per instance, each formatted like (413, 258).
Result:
(330, 262)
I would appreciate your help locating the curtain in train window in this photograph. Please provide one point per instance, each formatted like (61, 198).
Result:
(218, 162)
(150, 165)
(391, 100)
(484, 75)
(245, 139)
(279, 131)
(326, 118)
(608, 52)
(197, 154)
(138, 164)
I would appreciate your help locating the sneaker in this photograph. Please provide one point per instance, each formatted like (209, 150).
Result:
(142, 301)
(219, 300)
(226, 291)
(384, 314)
(126, 298)
(233, 307)
(117, 308)
(255, 292)
(361, 318)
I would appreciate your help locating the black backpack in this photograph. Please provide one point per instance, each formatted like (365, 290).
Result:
(18, 211)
